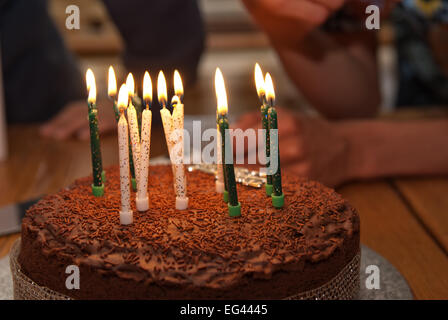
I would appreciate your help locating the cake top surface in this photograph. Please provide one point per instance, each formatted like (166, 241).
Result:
(201, 246)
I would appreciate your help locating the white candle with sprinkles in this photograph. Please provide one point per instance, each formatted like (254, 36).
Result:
(173, 128)
(178, 137)
(133, 130)
(142, 189)
(126, 215)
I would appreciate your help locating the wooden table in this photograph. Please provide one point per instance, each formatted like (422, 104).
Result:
(405, 220)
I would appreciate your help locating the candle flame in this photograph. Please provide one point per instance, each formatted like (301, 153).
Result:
(91, 86)
(123, 98)
(161, 89)
(130, 84)
(147, 88)
(175, 101)
(259, 81)
(269, 86)
(221, 94)
(89, 77)
(112, 83)
(178, 87)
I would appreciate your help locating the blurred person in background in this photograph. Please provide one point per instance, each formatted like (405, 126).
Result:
(324, 47)
(43, 82)
(331, 57)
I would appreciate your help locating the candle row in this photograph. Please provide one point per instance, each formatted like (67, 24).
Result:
(134, 136)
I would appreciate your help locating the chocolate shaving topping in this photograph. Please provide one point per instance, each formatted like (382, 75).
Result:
(201, 246)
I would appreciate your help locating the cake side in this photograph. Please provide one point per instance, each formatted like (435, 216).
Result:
(197, 253)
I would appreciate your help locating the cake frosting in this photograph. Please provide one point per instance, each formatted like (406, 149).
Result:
(200, 252)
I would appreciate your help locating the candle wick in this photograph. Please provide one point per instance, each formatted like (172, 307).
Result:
(264, 99)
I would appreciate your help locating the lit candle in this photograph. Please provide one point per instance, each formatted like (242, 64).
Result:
(221, 183)
(277, 194)
(223, 123)
(131, 87)
(112, 91)
(97, 166)
(126, 215)
(259, 84)
(135, 99)
(178, 137)
(173, 128)
(142, 189)
(133, 130)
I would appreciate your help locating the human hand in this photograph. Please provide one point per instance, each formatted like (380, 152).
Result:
(72, 120)
(287, 22)
(309, 147)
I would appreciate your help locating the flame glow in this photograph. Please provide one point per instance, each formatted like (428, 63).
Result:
(220, 89)
(161, 89)
(178, 87)
(175, 101)
(123, 98)
(269, 86)
(89, 77)
(259, 81)
(112, 83)
(147, 88)
(130, 84)
(91, 86)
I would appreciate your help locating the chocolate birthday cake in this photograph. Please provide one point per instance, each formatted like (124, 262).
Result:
(199, 253)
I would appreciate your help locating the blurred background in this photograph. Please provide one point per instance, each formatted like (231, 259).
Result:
(233, 42)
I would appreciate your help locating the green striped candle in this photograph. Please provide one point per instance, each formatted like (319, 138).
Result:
(277, 194)
(95, 148)
(260, 86)
(227, 157)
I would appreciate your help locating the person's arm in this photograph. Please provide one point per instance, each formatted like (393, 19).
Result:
(338, 78)
(382, 148)
(340, 151)
(337, 74)
(158, 35)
